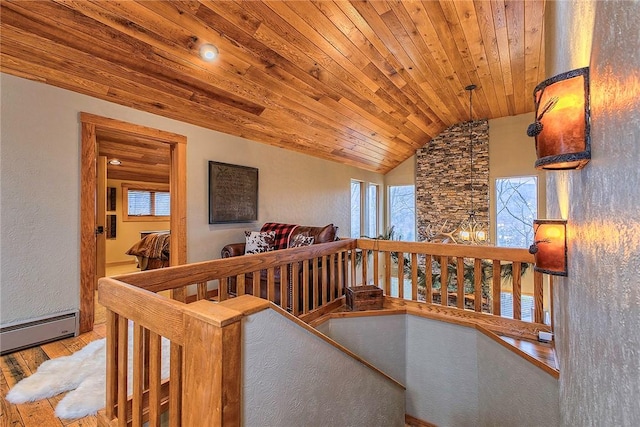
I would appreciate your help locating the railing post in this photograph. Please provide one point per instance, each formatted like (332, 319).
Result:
(538, 295)
(212, 366)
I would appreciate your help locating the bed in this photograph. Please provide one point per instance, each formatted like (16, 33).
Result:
(152, 251)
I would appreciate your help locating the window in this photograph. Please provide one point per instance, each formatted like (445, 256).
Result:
(402, 211)
(356, 208)
(372, 210)
(364, 209)
(146, 202)
(516, 208)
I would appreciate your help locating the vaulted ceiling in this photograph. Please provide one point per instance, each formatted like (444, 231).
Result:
(364, 83)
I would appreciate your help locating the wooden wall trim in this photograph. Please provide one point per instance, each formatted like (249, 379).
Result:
(87, 226)
(91, 124)
(147, 132)
(416, 422)
(548, 369)
(514, 328)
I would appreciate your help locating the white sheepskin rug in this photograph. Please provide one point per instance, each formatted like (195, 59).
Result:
(82, 374)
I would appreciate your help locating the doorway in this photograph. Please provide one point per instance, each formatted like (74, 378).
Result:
(92, 126)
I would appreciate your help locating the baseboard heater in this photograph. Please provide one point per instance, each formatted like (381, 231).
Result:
(38, 331)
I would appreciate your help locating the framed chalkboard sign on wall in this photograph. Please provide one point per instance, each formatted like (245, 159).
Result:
(233, 193)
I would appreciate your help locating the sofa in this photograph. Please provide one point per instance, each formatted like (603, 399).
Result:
(276, 236)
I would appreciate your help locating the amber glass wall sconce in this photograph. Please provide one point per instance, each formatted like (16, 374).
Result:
(550, 246)
(562, 126)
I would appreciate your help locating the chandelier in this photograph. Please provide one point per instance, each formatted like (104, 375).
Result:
(472, 231)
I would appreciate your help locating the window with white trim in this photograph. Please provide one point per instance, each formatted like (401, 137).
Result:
(356, 208)
(365, 202)
(372, 210)
(402, 211)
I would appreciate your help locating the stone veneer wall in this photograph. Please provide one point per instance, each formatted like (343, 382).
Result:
(443, 182)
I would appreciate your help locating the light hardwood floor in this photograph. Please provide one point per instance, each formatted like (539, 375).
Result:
(21, 364)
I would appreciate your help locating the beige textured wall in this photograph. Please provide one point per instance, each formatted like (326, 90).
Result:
(293, 378)
(40, 192)
(512, 153)
(597, 308)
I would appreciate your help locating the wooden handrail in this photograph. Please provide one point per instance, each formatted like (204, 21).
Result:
(205, 337)
(448, 249)
(172, 277)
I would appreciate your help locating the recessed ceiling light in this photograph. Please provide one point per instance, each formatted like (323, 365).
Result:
(115, 162)
(208, 52)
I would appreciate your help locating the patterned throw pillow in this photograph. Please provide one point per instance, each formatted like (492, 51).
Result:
(257, 242)
(301, 240)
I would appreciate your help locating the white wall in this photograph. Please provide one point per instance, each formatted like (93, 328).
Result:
(513, 153)
(597, 307)
(455, 375)
(442, 370)
(512, 391)
(293, 378)
(380, 340)
(40, 187)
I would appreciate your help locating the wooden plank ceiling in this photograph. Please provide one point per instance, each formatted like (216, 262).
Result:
(141, 159)
(364, 83)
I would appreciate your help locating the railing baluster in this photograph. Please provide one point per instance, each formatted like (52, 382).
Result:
(517, 291)
(332, 277)
(497, 289)
(239, 285)
(138, 375)
(460, 280)
(271, 284)
(155, 380)
(306, 294)
(112, 361)
(175, 386)
(123, 341)
(538, 296)
(256, 283)
(400, 275)
(444, 281)
(387, 273)
(376, 267)
(428, 269)
(201, 290)
(295, 290)
(353, 267)
(414, 276)
(341, 276)
(317, 292)
(324, 280)
(477, 283)
(284, 287)
(365, 262)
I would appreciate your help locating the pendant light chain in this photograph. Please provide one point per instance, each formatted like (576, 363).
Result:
(470, 88)
(471, 230)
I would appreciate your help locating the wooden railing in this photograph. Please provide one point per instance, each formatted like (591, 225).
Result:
(474, 275)
(318, 276)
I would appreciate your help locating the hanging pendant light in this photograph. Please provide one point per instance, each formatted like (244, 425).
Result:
(472, 231)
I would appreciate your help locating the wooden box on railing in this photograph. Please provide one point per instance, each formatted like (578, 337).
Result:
(366, 297)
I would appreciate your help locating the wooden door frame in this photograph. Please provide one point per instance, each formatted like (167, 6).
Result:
(178, 190)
